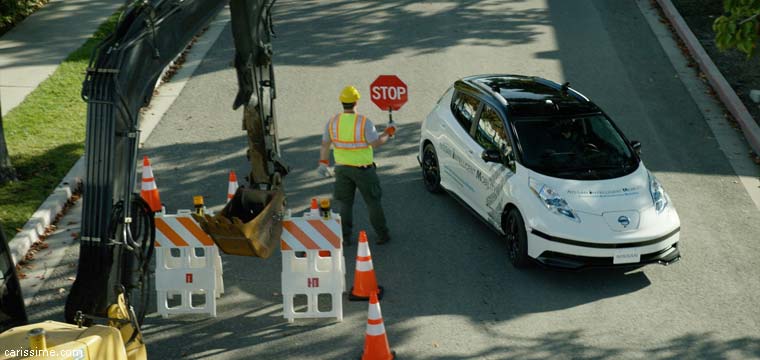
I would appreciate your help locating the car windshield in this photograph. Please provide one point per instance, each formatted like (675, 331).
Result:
(587, 147)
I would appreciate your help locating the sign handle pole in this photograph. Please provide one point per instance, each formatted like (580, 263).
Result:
(390, 119)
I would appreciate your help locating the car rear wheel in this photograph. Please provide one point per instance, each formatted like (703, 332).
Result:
(517, 239)
(431, 173)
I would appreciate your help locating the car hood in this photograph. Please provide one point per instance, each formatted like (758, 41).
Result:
(627, 193)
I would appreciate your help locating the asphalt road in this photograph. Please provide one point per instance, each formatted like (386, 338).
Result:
(450, 292)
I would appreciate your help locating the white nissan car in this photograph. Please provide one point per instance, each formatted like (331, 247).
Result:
(548, 169)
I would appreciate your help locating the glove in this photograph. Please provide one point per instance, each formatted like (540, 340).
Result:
(390, 129)
(324, 170)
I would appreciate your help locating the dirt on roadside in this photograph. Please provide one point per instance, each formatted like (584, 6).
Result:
(743, 74)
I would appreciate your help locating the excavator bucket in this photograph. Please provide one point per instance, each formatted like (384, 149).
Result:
(250, 224)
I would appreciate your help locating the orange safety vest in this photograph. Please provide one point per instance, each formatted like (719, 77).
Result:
(349, 141)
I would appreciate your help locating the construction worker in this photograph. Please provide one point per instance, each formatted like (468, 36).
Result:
(353, 137)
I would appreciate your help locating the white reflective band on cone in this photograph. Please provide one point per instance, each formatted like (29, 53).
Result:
(149, 185)
(374, 312)
(375, 330)
(147, 171)
(363, 249)
(364, 265)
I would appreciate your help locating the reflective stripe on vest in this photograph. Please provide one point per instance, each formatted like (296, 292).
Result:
(348, 138)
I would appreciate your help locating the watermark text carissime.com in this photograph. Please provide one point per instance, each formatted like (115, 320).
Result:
(49, 353)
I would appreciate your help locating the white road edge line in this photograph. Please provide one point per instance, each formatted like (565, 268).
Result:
(732, 143)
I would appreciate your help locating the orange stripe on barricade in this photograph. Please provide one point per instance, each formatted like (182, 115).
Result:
(170, 234)
(297, 233)
(157, 244)
(325, 232)
(374, 321)
(284, 245)
(193, 228)
(363, 258)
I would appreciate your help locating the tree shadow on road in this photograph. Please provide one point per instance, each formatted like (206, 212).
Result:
(327, 33)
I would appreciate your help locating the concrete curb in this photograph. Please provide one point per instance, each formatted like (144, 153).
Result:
(46, 213)
(726, 94)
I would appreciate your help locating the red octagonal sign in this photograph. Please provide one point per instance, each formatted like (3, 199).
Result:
(388, 92)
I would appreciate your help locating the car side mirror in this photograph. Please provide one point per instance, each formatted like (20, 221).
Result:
(636, 145)
(491, 155)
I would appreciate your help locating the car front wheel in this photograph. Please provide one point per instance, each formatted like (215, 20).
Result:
(517, 239)
(431, 173)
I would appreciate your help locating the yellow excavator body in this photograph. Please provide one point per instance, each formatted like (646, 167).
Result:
(57, 340)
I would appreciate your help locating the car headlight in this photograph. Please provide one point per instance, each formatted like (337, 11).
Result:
(659, 197)
(552, 200)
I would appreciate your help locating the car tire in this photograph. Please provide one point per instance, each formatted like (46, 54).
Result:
(516, 239)
(431, 172)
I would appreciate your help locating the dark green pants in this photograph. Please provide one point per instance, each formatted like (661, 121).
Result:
(347, 180)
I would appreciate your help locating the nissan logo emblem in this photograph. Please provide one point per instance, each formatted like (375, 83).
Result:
(624, 220)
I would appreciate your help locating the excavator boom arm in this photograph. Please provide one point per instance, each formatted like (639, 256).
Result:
(117, 228)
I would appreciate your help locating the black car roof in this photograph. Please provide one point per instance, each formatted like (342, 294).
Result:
(531, 96)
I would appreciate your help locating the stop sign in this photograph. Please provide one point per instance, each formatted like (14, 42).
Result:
(388, 92)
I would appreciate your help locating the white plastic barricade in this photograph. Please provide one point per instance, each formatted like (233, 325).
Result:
(188, 266)
(313, 267)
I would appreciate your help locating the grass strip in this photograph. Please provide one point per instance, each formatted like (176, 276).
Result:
(45, 134)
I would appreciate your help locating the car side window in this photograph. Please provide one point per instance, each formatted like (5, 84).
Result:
(491, 133)
(464, 109)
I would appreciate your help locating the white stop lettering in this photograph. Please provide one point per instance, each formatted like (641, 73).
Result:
(388, 92)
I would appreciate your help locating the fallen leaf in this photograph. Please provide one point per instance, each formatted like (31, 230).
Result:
(71, 278)
(61, 290)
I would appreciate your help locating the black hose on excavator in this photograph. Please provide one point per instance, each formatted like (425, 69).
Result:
(120, 79)
(138, 247)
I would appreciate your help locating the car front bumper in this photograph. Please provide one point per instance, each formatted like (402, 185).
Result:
(577, 255)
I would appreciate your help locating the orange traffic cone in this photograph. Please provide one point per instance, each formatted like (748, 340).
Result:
(232, 186)
(149, 190)
(365, 282)
(375, 341)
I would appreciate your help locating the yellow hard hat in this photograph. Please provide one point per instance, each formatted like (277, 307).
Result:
(349, 95)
